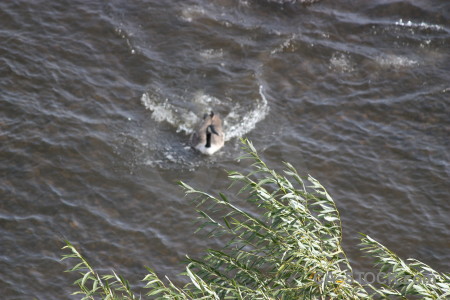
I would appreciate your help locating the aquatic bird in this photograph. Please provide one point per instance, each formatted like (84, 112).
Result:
(209, 137)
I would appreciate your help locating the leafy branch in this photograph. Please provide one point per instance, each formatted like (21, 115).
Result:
(291, 250)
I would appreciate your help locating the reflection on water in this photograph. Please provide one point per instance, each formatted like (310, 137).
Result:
(98, 101)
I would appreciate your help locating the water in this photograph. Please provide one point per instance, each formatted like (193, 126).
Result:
(97, 102)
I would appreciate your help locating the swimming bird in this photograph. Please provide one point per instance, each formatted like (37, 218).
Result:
(209, 137)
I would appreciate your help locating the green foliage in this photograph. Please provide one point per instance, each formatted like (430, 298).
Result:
(91, 284)
(415, 278)
(291, 250)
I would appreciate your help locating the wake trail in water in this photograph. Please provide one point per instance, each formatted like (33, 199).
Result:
(163, 111)
(237, 123)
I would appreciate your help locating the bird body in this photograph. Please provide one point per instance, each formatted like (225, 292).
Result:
(209, 137)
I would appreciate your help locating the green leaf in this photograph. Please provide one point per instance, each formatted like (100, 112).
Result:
(85, 277)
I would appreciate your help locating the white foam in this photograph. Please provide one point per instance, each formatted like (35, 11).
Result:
(286, 46)
(238, 126)
(205, 100)
(341, 62)
(191, 13)
(395, 61)
(421, 25)
(164, 111)
(211, 54)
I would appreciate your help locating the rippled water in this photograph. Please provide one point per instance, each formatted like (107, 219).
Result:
(97, 102)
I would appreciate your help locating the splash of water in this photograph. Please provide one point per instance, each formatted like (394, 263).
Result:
(238, 125)
(182, 119)
(240, 121)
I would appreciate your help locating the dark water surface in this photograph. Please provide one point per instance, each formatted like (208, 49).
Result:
(97, 101)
